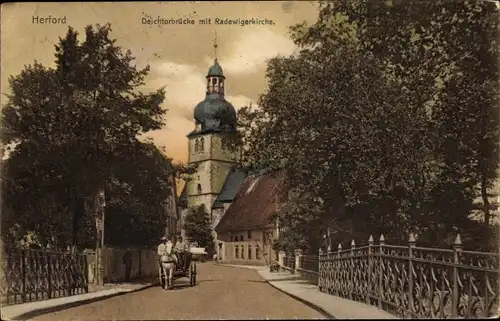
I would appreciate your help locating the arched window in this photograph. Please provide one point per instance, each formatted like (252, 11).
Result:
(199, 188)
(196, 146)
(202, 143)
(214, 81)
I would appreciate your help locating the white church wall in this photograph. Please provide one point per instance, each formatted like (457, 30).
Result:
(201, 177)
(217, 152)
(219, 172)
(216, 217)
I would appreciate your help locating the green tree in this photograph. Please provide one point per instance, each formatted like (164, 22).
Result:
(197, 227)
(72, 123)
(138, 195)
(379, 79)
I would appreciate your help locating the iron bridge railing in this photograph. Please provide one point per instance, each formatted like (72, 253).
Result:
(309, 263)
(415, 282)
(32, 275)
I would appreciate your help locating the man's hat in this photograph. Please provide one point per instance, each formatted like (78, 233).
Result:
(163, 238)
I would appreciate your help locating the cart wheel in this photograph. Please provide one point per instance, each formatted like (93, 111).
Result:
(194, 273)
(191, 275)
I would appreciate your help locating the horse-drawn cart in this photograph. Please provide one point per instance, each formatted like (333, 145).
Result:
(188, 269)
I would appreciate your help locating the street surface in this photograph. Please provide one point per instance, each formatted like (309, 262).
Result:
(221, 293)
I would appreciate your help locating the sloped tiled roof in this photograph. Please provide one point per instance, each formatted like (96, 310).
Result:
(183, 200)
(230, 188)
(255, 202)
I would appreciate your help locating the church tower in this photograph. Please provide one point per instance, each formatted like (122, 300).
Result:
(209, 151)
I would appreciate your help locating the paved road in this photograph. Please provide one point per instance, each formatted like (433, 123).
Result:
(221, 293)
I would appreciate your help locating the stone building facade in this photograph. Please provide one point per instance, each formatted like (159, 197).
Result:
(245, 231)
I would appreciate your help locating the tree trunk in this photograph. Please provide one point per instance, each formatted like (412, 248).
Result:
(486, 202)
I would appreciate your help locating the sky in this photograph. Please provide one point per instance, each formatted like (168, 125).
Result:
(179, 55)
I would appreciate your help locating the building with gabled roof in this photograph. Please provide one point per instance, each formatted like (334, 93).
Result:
(245, 230)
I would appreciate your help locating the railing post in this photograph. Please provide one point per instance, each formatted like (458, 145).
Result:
(23, 276)
(101, 266)
(411, 246)
(381, 271)
(320, 276)
(457, 248)
(298, 261)
(370, 268)
(4, 267)
(69, 274)
(352, 272)
(336, 289)
(86, 271)
(49, 277)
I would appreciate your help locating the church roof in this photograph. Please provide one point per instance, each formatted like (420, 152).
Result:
(183, 199)
(215, 70)
(215, 112)
(230, 188)
(256, 200)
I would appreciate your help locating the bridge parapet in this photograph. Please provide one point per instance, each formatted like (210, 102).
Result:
(408, 281)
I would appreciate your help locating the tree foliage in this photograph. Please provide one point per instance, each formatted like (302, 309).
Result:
(76, 127)
(386, 121)
(197, 227)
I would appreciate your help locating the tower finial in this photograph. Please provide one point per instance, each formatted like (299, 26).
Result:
(215, 46)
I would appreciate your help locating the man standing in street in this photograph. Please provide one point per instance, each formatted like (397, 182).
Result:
(127, 260)
(161, 248)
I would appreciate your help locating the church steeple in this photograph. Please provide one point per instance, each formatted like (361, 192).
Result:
(215, 76)
(215, 47)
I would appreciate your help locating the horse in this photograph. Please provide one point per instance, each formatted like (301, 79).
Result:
(168, 262)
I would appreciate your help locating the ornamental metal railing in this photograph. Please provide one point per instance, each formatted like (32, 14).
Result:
(31, 275)
(415, 282)
(309, 263)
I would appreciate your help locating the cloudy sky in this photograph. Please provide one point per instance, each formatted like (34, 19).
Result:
(179, 55)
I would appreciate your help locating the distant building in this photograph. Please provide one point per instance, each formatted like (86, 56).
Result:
(245, 230)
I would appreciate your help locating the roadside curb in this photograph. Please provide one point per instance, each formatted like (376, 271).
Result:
(247, 267)
(306, 302)
(64, 306)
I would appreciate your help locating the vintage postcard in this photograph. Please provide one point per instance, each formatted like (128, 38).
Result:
(250, 160)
